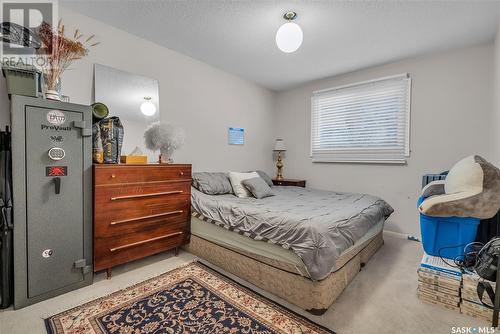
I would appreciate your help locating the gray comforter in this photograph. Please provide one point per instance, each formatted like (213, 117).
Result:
(316, 225)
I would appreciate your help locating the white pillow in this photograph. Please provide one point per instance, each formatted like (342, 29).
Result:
(239, 189)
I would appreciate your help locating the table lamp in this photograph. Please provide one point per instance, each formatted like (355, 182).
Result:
(279, 147)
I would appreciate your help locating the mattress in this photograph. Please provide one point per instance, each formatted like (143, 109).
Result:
(271, 254)
(316, 225)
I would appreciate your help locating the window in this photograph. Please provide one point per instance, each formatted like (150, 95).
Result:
(364, 122)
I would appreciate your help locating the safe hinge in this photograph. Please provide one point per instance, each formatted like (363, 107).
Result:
(83, 265)
(82, 125)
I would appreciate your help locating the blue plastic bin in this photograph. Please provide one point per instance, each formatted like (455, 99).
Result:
(447, 236)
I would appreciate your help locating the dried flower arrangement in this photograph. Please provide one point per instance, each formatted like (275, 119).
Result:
(164, 137)
(62, 51)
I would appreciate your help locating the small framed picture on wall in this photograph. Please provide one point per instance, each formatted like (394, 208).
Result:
(236, 136)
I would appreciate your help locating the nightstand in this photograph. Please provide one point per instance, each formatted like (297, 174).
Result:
(290, 182)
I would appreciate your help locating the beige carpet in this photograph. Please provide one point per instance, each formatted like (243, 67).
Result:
(381, 299)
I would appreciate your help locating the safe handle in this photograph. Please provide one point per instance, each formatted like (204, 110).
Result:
(82, 125)
(57, 184)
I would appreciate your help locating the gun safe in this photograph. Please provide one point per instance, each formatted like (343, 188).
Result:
(52, 196)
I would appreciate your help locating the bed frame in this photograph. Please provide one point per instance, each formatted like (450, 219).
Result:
(314, 297)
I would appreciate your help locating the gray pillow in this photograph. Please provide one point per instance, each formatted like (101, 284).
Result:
(212, 183)
(258, 187)
(266, 177)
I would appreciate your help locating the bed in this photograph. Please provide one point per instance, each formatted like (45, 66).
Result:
(302, 245)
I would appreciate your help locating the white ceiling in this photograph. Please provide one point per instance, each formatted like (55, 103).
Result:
(339, 36)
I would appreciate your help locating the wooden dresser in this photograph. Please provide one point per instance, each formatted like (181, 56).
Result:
(139, 210)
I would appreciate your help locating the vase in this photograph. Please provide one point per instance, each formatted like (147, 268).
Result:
(166, 156)
(165, 160)
(53, 93)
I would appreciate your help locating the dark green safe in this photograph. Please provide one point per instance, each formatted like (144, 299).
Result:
(52, 198)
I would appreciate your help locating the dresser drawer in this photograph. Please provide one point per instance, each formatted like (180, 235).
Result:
(130, 193)
(122, 197)
(174, 219)
(134, 174)
(289, 182)
(111, 251)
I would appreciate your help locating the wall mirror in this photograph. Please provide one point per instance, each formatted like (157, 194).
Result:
(133, 98)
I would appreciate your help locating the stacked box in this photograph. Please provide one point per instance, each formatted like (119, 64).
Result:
(471, 304)
(439, 283)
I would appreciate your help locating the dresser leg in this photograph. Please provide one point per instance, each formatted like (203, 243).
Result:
(176, 251)
(108, 273)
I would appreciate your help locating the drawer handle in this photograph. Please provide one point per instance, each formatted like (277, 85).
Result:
(181, 173)
(116, 222)
(145, 241)
(147, 195)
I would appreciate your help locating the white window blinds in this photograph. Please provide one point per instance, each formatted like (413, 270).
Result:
(364, 122)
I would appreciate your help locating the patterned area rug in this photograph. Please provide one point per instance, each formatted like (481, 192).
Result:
(189, 299)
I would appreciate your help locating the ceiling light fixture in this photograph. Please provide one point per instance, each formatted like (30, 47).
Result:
(148, 108)
(289, 36)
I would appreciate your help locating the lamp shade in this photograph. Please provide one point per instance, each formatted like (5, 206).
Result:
(289, 37)
(279, 145)
(148, 108)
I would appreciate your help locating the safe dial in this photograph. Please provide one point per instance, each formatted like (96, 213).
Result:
(56, 153)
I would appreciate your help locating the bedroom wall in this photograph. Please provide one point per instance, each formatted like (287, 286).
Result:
(205, 101)
(450, 119)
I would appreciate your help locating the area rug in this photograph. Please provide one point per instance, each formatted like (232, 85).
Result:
(189, 299)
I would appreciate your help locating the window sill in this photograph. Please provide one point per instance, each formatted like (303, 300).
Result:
(368, 162)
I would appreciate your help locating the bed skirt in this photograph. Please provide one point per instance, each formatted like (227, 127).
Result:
(314, 297)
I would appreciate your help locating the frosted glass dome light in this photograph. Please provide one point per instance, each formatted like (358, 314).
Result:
(289, 36)
(148, 108)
